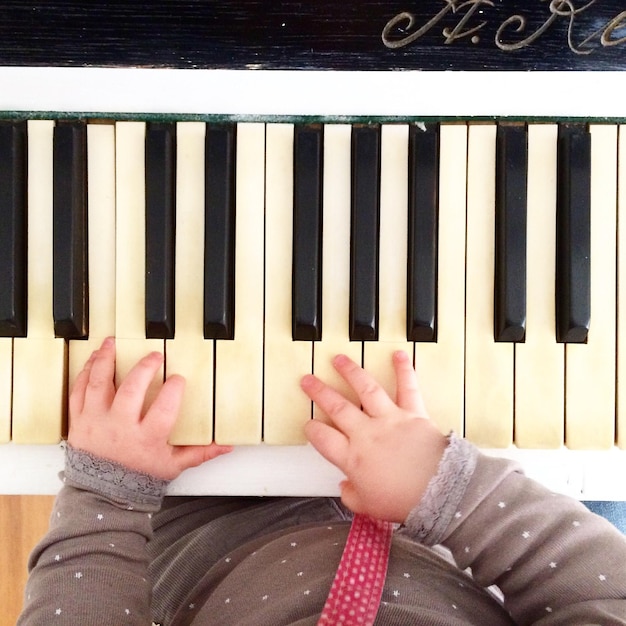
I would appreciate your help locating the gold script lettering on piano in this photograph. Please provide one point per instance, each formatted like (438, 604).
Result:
(399, 30)
(405, 21)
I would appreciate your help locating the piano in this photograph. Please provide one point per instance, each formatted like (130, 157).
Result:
(251, 223)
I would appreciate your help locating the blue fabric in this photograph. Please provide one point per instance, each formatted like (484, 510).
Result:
(615, 512)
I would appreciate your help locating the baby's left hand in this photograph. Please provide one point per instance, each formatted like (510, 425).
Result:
(108, 422)
(388, 451)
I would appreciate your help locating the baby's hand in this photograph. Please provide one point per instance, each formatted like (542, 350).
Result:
(109, 423)
(388, 451)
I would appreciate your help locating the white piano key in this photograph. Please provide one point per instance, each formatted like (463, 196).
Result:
(101, 244)
(440, 366)
(239, 363)
(540, 361)
(488, 365)
(286, 408)
(40, 138)
(39, 359)
(336, 262)
(6, 383)
(130, 229)
(189, 353)
(131, 342)
(590, 367)
(621, 276)
(393, 254)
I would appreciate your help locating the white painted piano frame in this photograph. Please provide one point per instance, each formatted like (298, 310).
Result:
(332, 94)
(250, 94)
(300, 471)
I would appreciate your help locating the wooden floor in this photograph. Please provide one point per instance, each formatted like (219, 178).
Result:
(23, 521)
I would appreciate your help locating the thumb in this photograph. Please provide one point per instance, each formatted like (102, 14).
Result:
(350, 497)
(191, 456)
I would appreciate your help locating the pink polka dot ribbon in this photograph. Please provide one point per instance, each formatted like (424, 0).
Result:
(356, 591)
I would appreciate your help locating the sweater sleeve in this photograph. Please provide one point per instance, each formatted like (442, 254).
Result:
(555, 562)
(91, 567)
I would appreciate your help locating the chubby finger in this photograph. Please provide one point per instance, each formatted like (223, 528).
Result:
(101, 387)
(339, 410)
(373, 397)
(131, 394)
(328, 441)
(163, 412)
(408, 394)
(77, 393)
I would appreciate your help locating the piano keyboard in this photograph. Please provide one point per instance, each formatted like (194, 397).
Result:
(251, 253)
(539, 393)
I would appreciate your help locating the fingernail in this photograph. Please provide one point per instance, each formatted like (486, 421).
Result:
(307, 381)
(340, 359)
(108, 342)
(401, 355)
(224, 449)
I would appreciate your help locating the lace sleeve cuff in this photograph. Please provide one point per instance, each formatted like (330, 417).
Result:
(112, 480)
(428, 521)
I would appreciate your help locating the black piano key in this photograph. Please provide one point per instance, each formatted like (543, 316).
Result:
(70, 273)
(160, 229)
(364, 233)
(13, 233)
(422, 233)
(219, 232)
(307, 234)
(510, 242)
(573, 257)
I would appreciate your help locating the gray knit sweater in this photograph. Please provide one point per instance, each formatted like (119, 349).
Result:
(117, 553)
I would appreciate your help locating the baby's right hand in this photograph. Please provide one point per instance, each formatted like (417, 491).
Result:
(388, 451)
